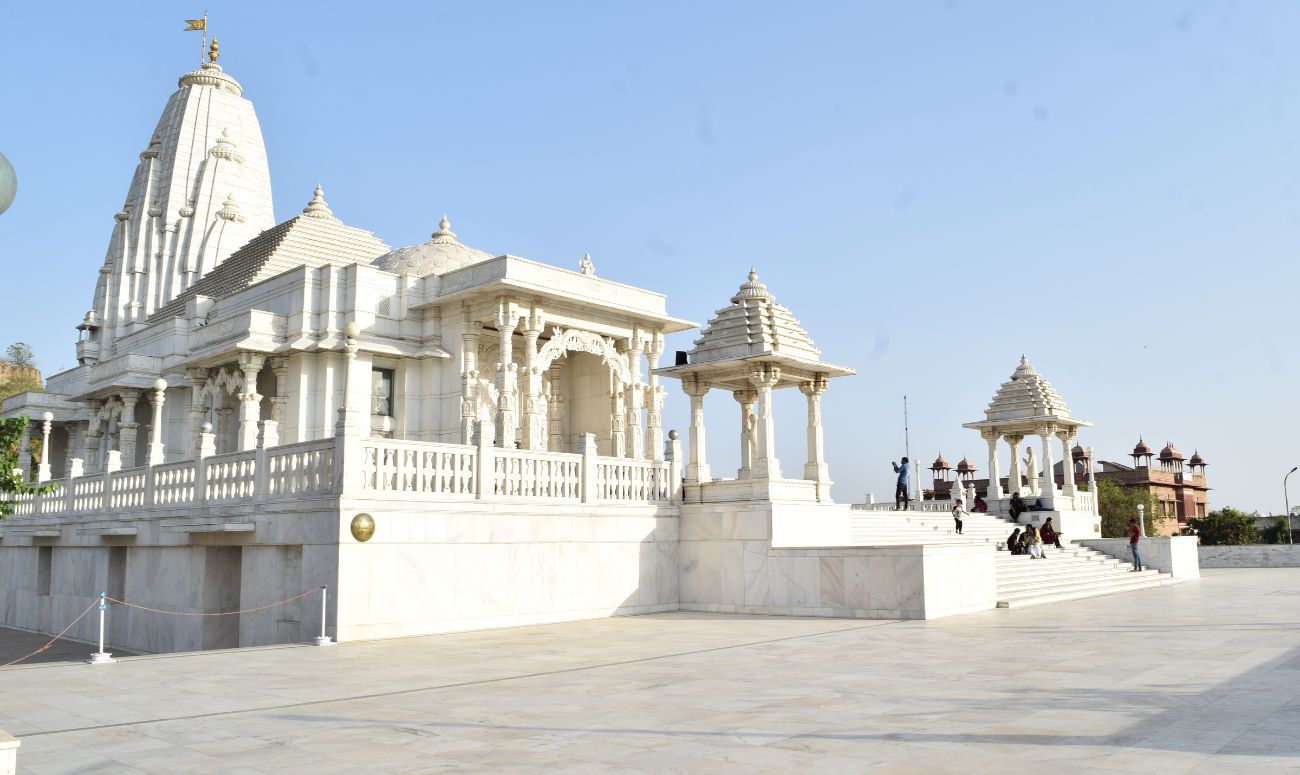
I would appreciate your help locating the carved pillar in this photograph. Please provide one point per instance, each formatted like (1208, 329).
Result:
(995, 471)
(76, 446)
(507, 376)
(746, 400)
(764, 377)
(816, 468)
(94, 436)
(535, 424)
(129, 428)
(198, 412)
(223, 427)
(556, 408)
(1013, 481)
(45, 472)
(1066, 436)
(654, 400)
(1049, 476)
(25, 454)
(250, 402)
(280, 403)
(617, 436)
(698, 469)
(157, 397)
(635, 399)
(469, 398)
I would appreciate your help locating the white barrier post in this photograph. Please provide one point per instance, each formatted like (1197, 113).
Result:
(101, 657)
(323, 639)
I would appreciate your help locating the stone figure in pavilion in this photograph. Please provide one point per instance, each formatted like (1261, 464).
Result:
(1031, 471)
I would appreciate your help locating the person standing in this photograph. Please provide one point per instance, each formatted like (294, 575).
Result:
(958, 512)
(901, 500)
(1134, 535)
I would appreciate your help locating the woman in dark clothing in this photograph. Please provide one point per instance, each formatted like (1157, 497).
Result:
(1013, 543)
(1049, 534)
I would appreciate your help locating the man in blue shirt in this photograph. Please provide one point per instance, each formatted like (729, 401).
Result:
(901, 501)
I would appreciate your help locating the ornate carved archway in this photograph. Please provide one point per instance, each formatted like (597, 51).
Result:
(576, 340)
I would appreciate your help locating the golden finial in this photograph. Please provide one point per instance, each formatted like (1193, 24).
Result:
(213, 53)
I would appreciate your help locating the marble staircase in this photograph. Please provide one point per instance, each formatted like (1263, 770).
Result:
(1071, 573)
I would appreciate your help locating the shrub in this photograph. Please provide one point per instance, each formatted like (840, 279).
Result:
(1225, 527)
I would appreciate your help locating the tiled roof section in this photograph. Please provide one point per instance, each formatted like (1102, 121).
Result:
(753, 324)
(303, 240)
(1026, 395)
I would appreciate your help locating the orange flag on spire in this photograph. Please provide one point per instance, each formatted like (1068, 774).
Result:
(196, 24)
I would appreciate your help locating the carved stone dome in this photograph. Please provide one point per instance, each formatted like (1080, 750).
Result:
(940, 463)
(439, 255)
(1078, 452)
(964, 466)
(1196, 459)
(1142, 448)
(1170, 452)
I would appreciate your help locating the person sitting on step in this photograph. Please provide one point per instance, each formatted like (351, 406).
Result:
(1013, 543)
(1033, 543)
(1049, 534)
(1017, 507)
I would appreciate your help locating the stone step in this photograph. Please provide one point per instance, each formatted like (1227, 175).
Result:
(1056, 572)
(1013, 587)
(1061, 594)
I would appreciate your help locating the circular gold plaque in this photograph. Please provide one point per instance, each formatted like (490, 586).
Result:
(363, 527)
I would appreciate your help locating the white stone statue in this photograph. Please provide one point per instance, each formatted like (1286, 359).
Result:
(1031, 469)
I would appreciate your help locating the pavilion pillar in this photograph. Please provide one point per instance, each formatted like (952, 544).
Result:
(535, 423)
(250, 402)
(766, 465)
(157, 398)
(1013, 483)
(1067, 462)
(507, 376)
(45, 472)
(816, 468)
(129, 428)
(1092, 484)
(697, 470)
(995, 474)
(654, 400)
(76, 443)
(746, 400)
(1049, 476)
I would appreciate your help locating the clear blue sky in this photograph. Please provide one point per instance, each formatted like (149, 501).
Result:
(933, 188)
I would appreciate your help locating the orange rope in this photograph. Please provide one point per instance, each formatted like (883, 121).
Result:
(56, 637)
(215, 613)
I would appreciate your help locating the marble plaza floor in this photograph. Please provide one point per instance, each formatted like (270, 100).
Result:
(1202, 677)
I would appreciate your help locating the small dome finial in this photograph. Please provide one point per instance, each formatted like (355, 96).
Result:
(752, 274)
(318, 207)
(444, 232)
(214, 52)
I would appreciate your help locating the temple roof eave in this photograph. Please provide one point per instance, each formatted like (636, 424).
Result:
(1027, 425)
(733, 373)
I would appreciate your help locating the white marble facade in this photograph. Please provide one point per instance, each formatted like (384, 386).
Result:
(245, 389)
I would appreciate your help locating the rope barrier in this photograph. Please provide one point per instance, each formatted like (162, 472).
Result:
(115, 601)
(321, 641)
(56, 637)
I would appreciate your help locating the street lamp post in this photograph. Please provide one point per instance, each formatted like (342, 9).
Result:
(1286, 498)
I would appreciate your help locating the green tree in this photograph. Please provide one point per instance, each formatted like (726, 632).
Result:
(20, 354)
(1225, 527)
(20, 382)
(1118, 504)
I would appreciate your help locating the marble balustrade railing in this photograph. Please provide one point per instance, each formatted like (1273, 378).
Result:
(469, 472)
(289, 471)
